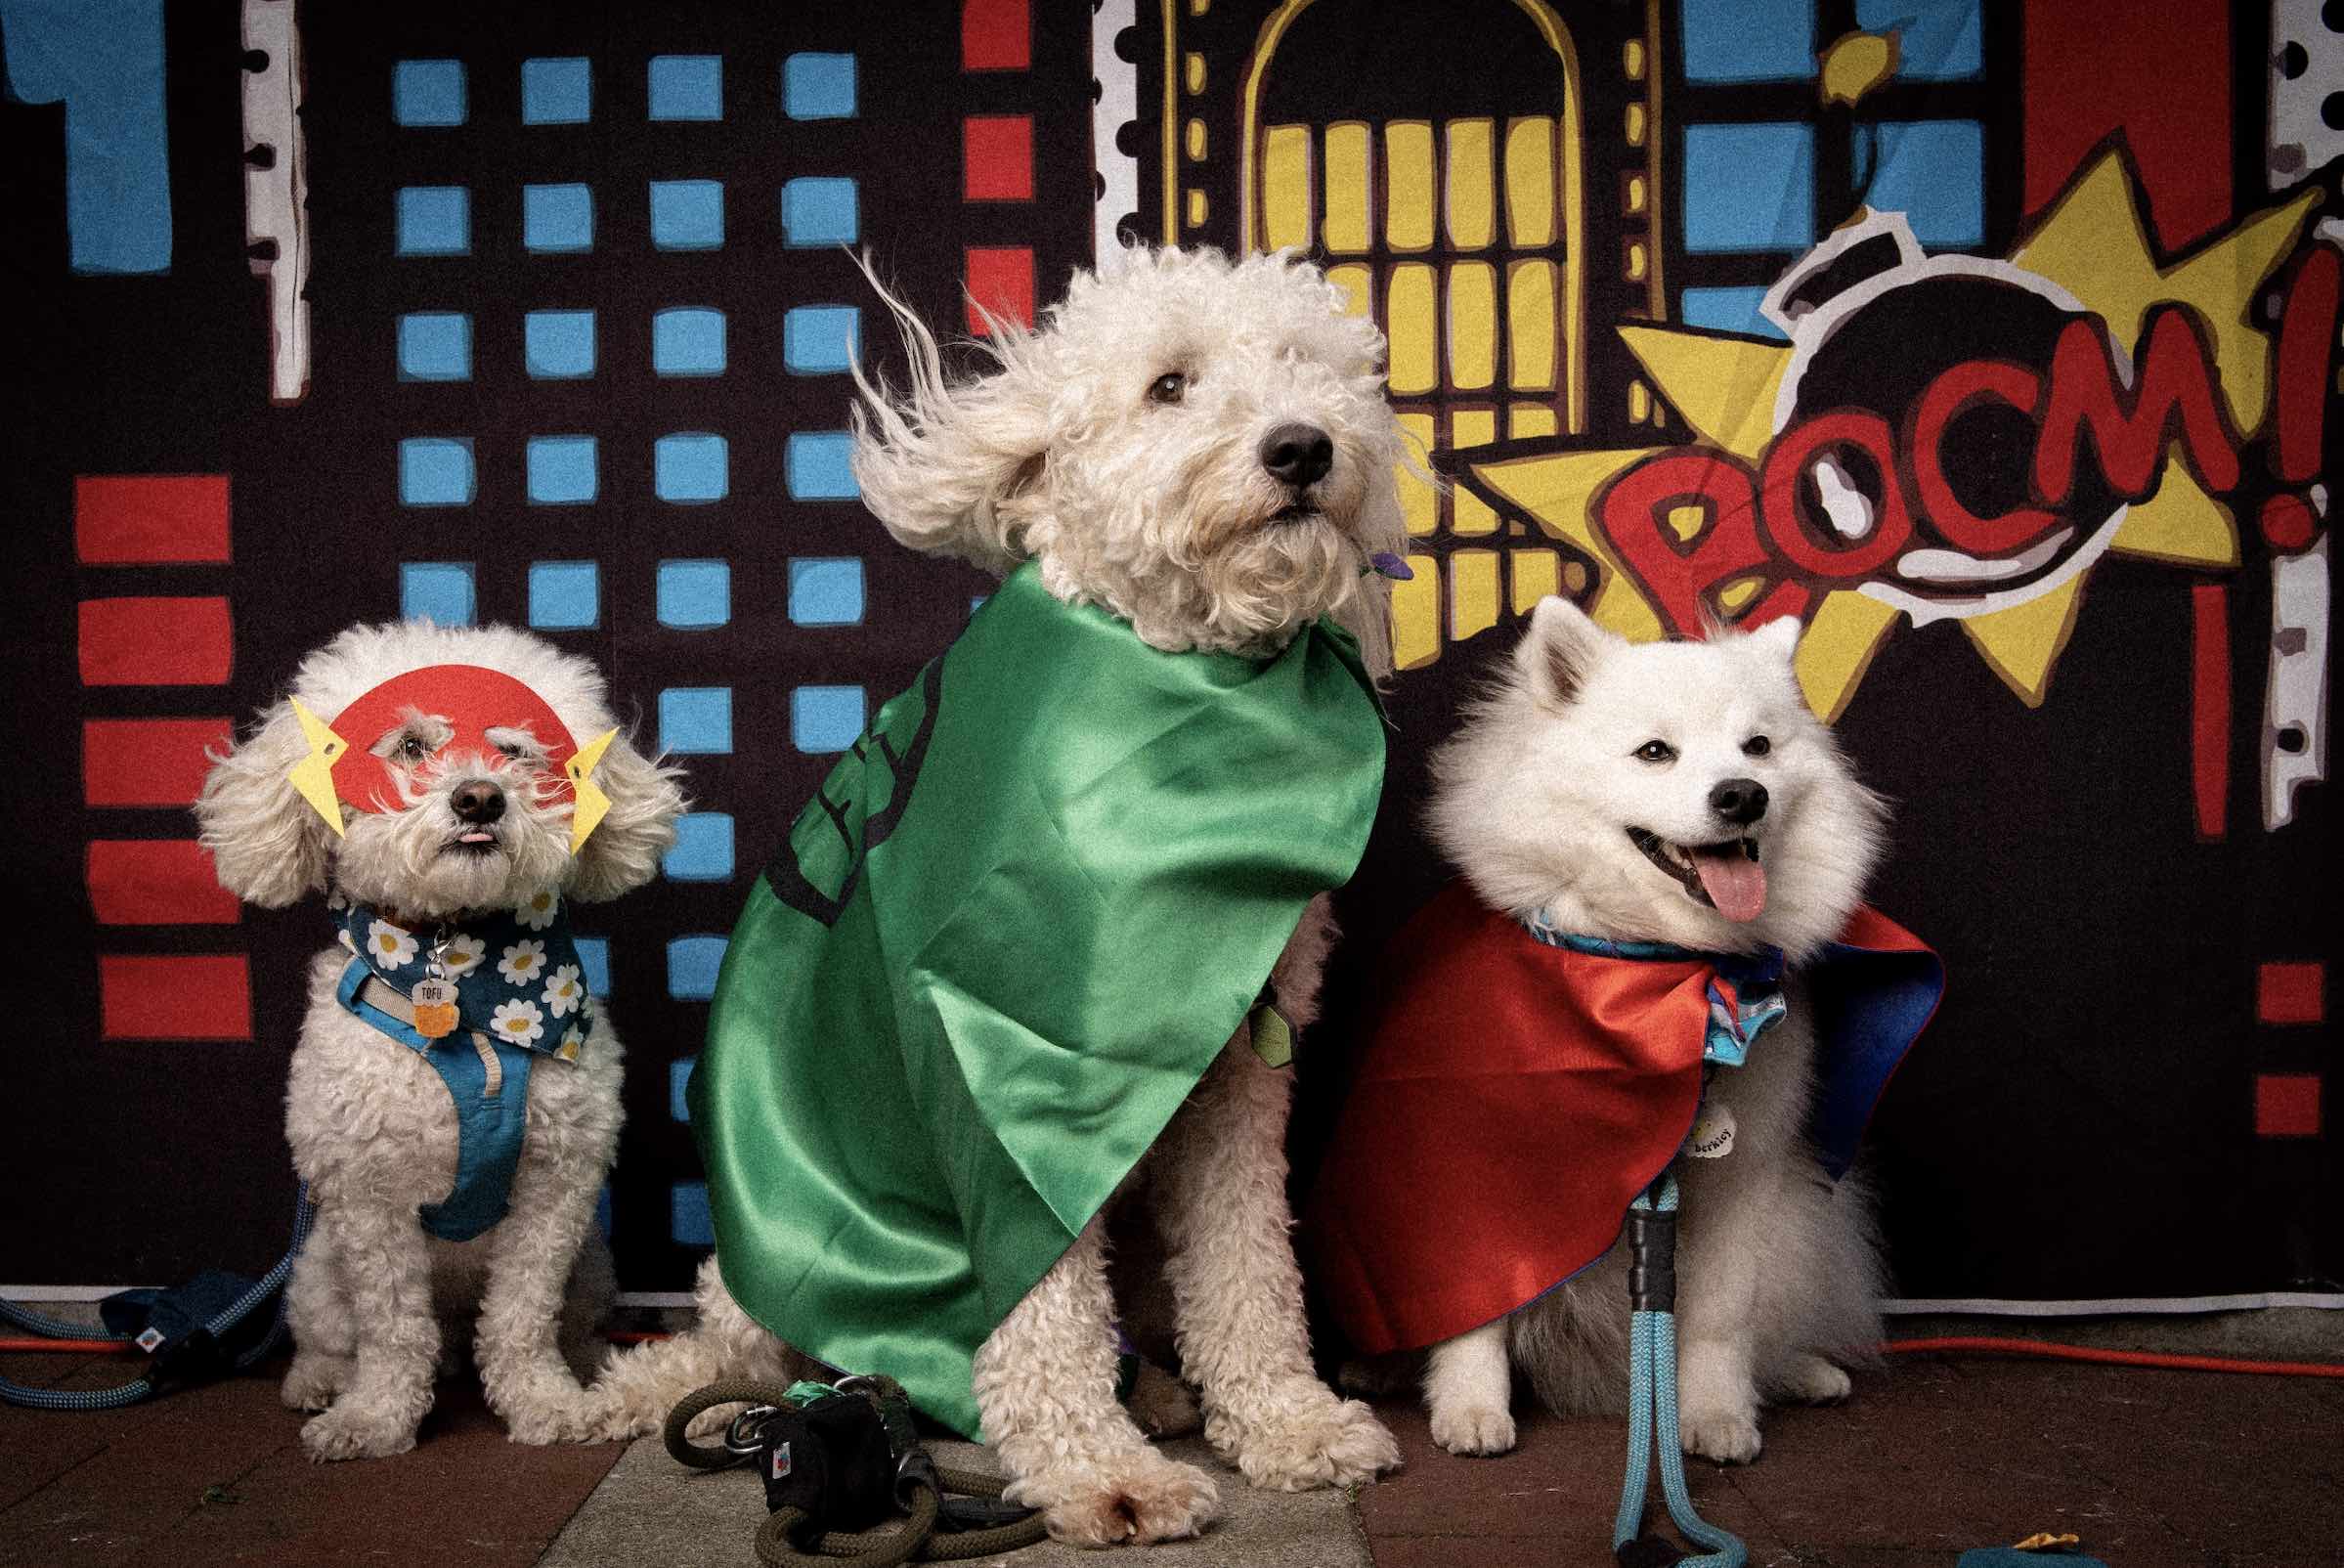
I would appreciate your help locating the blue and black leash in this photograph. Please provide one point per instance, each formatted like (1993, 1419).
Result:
(1652, 1396)
(190, 1357)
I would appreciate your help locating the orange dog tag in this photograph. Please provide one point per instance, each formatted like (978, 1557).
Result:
(435, 1008)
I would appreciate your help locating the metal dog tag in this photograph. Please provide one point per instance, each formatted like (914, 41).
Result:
(435, 1008)
(1713, 1135)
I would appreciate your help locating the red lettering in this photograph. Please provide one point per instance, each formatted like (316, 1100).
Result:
(2173, 388)
(1679, 577)
(1823, 549)
(1950, 396)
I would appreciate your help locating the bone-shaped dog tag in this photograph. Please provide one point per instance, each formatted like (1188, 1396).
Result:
(435, 1008)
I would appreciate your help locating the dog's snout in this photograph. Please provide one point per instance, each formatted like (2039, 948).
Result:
(1740, 801)
(478, 802)
(1299, 454)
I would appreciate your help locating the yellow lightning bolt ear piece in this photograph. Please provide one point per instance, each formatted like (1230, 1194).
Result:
(313, 775)
(593, 805)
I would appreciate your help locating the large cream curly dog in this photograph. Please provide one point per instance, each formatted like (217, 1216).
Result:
(1203, 449)
(373, 1127)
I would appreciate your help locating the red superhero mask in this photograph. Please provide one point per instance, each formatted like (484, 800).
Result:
(472, 701)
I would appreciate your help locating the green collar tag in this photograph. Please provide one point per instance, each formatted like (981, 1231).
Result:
(1273, 1037)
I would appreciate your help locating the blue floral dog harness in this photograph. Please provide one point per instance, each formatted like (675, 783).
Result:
(516, 989)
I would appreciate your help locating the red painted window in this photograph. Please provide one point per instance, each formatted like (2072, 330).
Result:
(2286, 1105)
(2289, 993)
(156, 642)
(997, 157)
(150, 519)
(1001, 280)
(177, 997)
(157, 882)
(996, 35)
(148, 761)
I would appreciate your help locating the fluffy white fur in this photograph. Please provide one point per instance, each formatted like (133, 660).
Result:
(372, 1129)
(1162, 512)
(1777, 1269)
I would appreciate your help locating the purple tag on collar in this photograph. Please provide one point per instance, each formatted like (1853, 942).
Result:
(1392, 566)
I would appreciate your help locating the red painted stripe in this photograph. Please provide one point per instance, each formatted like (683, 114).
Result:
(2162, 78)
(2290, 993)
(148, 761)
(177, 997)
(2286, 1105)
(997, 157)
(996, 35)
(147, 519)
(1001, 280)
(2210, 707)
(157, 882)
(157, 643)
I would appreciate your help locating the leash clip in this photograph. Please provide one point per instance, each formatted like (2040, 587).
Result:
(747, 1433)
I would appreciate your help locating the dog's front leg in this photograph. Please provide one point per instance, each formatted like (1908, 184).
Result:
(1724, 1252)
(1045, 1385)
(1221, 1171)
(1469, 1390)
(384, 1267)
(518, 1341)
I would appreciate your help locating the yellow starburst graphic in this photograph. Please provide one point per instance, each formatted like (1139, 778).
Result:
(2094, 244)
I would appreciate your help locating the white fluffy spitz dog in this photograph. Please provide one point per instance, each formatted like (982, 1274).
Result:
(1677, 793)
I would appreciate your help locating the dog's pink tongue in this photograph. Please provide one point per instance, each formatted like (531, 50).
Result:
(1735, 883)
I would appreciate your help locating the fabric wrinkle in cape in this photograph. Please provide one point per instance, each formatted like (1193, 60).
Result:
(1023, 915)
(1515, 1097)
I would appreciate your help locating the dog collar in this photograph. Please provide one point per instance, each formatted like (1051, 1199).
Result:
(516, 975)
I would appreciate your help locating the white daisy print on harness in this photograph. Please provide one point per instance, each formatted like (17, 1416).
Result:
(564, 992)
(463, 955)
(518, 1022)
(390, 946)
(522, 962)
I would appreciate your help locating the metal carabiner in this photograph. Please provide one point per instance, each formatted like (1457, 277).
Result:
(746, 1435)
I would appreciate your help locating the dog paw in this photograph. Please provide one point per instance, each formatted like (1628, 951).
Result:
(1730, 1436)
(349, 1432)
(1161, 1405)
(312, 1381)
(1315, 1439)
(1138, 1499)
(1812, 1380)
(1473, 1428)
(541, 1424)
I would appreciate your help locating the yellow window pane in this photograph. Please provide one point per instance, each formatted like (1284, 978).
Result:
(1409, 322)
(1530, 325)
(1636, 125)
(1532, 420)
(1347, 189)
(1634, 201)
(1194, 68)
(1635, 261)
(1195, 143)
(1536, 575)
(1471, 222)
(1419, 502)
(1468, 513)
(1408, 185)
(1472, 326)
(1632, 59)
(1286, 186)
(1197, 209)
(1530, 183)
(1472, 592)
(1639, 403)
(1416, 616)
(1357, 281)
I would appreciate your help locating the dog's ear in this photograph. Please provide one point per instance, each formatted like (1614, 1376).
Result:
(1562, 646)
(940, 464)
(267, 843)
(624, 850)
(1778, 637)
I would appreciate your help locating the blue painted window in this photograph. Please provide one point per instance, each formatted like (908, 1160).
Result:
(817, 465)
(703, 849)
(435, 220)
(564, 596)
(428, 92)
(602, 1214)
(1726, 310)
(435, 471)
(696, 720)
(694, 594)
(687, 341)
(1750, 187)
(687, 87)
(826, 591)
(819, 211)
(561, 470)
(825, 718)
(689, 1223)
(690, 465)
(1749, 40)
(557, 219)
(593, 956)
(687, 214)
(556, 92)
(679, 1080)
(1933, 172)
(558, 344)
(692, 965)
(435, 346)
(821, 339)
(440, 591)
(818, 87)
(1937, 40)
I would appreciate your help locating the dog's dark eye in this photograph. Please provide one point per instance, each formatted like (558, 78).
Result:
(1656, 751)
(412, 750)
(1756, 746)
(1169, 387)
(512, 748)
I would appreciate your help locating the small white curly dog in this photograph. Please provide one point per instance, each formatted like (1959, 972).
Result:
(456, 856)
(1203, 448)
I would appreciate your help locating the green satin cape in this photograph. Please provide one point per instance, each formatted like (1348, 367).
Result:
(1006, 939)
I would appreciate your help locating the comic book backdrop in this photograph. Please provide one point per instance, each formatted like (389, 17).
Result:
(1995, 345)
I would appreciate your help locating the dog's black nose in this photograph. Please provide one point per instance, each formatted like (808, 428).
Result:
(1299, 454)
(477, 802)
(1740, 801)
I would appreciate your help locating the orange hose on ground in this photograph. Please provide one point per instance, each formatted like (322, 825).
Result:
(2115, 1358)
(82, 1348)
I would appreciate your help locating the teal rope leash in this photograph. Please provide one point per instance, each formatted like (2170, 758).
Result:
(1652, 1393)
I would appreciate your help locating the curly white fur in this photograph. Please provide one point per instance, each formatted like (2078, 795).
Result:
(1163, 512)
(1533, 797)
(372, 1129)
